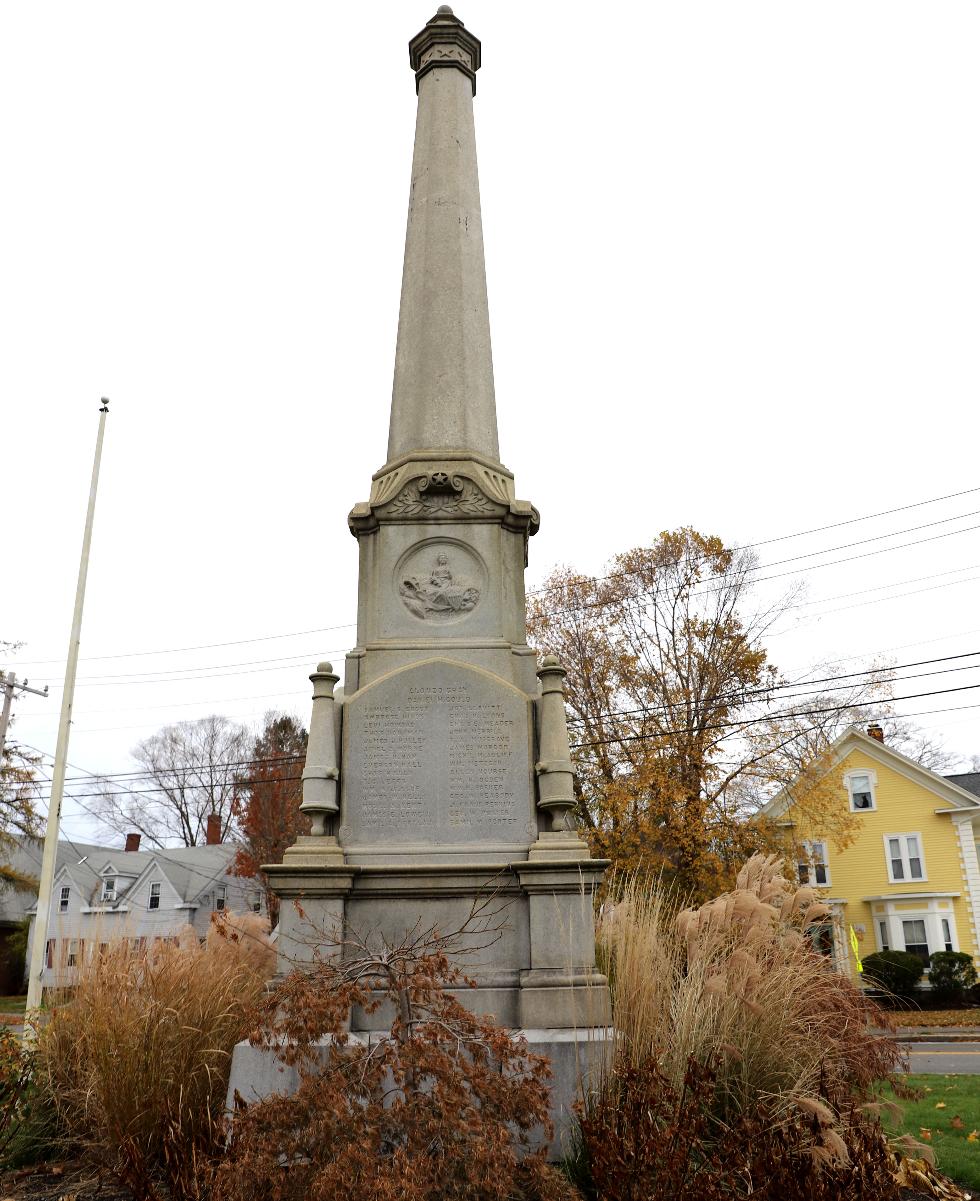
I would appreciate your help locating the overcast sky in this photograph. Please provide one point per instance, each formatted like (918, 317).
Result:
(733, 254)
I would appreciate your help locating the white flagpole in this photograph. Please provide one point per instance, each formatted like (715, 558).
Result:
(49, 858)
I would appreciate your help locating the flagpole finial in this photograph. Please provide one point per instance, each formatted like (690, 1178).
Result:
(105, 405)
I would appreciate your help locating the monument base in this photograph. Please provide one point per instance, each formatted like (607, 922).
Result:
(578, 1059)
(522, 931)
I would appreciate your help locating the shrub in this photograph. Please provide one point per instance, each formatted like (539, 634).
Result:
(136, 1063)
(27, 1126)
(442, 1107)
(951, 974)
(897, 972)
(645, 1141)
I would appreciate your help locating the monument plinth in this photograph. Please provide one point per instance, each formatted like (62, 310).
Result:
(442, 772)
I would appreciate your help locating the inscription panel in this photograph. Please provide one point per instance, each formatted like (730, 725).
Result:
(437, 754)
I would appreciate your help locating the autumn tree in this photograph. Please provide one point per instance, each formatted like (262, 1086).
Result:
(18, 795)
(190, 770)
(681, 725)
(268, 798)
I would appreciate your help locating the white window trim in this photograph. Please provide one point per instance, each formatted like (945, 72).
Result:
(903, 847)
(933, 916)
(63, 900)
(872, 783)
(157, 896)
(109, 894)
(811, 861)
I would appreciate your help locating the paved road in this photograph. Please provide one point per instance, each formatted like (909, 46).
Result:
(962, 1058)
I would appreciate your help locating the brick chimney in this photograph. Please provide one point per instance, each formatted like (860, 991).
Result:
(876, 732)
(213, 836)
(132, 842)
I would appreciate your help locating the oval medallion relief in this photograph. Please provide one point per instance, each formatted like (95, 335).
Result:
(440, 581)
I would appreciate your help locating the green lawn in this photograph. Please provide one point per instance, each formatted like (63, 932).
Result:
(935, 1119)
(13, 1004)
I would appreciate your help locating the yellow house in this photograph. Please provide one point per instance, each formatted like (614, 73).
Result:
(909, 880)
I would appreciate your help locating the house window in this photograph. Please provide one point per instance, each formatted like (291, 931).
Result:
(154, 899)
(822, 937)
(903, 853)
(916, 942)
(49, 947)
(63, 900)
(947, 934)
(74, 953)
(813, 864)
(860, 787)
(256, 902)
(883, 935)
(109, 888)
(219, 897)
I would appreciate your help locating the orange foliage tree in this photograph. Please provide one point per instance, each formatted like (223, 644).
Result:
(267, 799)
(443, 1106)
(675, 710)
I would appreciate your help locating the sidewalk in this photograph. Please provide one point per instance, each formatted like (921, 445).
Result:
(934, 1034)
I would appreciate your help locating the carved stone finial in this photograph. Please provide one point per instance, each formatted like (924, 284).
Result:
(444, 42)
(325, 667)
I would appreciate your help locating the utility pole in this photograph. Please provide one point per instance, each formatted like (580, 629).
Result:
(50, 855)
(9, 686)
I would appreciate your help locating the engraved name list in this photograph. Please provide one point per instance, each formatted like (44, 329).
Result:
(438, 762)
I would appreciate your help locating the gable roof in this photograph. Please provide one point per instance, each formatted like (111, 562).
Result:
(25, 857)
(190, 870)
(969, 780)
(946, 788)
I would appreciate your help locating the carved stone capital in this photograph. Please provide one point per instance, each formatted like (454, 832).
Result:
(428, 486)
(444, 42)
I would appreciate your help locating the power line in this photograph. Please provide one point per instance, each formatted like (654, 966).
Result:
(297, 693)
(169, 650)
(746, 697)
(206, 646)
(868, 517)
(751, 721)
(790, 684)
(602, 604)
(190, 674)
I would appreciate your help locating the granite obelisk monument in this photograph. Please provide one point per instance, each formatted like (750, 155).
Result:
(441, 771)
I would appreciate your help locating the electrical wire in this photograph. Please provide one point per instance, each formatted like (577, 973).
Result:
(751, 721)
(534, 592)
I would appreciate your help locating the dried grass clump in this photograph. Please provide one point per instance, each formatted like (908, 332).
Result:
(136, 1060)
(736, 983)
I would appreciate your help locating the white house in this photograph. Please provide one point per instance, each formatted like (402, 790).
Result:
(104, 893)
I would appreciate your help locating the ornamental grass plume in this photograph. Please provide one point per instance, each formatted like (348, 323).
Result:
(135, 1060)
(737, 984)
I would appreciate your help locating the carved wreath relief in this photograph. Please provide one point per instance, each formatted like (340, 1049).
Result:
(440, 595)
(441, 493)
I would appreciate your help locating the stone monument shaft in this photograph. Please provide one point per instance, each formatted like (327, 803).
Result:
(443, 390)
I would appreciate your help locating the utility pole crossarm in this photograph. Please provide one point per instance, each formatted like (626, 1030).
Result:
(10, 686)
